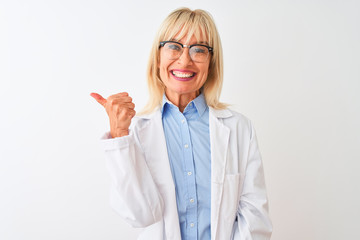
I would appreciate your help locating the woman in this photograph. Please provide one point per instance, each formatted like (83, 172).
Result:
(188, 168)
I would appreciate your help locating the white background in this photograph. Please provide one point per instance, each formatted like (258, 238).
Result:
(292, 67)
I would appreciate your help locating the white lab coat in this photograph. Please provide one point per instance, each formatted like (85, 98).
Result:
(143, 191)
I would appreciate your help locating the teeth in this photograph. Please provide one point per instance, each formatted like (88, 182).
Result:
(183, 74)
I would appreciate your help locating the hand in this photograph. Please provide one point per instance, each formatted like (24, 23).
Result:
(120, 110)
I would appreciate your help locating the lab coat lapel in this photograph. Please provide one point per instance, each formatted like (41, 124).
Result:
(219, 140)
(154, 143)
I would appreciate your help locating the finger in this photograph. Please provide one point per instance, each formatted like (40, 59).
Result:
(116, 99)
(129, 105)
(128, 114)
(117, 95)
(132, 113)
(127, 99)
(99, 98)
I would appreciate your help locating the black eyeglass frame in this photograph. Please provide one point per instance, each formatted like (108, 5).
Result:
(162, 44)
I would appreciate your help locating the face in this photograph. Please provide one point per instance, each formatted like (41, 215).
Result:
(183, 77)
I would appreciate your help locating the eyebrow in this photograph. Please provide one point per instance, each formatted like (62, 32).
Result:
(201, 42)
(205, 43)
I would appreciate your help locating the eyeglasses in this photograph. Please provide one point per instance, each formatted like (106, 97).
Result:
(198, 52)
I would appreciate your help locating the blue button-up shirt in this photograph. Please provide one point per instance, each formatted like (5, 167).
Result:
(188, 144)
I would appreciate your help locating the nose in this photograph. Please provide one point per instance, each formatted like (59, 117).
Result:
(185, 58)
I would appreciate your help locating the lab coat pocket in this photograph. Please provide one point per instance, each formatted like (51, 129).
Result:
(230, 199)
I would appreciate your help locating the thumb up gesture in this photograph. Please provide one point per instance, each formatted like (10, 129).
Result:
(120, 110)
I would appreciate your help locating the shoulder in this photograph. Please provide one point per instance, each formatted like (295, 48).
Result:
(234, 120)
(228, 115)
(239, 117)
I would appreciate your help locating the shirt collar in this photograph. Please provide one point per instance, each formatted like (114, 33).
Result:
(199, 103)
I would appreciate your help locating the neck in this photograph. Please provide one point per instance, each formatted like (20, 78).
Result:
(182, 100)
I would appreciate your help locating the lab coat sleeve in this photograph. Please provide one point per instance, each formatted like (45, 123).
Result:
(133, 195)
(253, 216)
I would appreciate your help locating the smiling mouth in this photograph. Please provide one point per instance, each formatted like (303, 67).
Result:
(182, 75)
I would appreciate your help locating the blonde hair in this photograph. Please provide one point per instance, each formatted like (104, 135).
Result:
(185, 22)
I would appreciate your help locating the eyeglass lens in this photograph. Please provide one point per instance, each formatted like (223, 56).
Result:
(197, 53)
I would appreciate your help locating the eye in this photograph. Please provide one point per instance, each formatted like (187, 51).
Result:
(173, 46)
(200, 49)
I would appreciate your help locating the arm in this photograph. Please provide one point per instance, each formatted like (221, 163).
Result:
(134, 195)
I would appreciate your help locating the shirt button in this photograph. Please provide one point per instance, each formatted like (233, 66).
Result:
(182, 121)
(189, 173)
(186, 146)
(192, 224)
(191, 200)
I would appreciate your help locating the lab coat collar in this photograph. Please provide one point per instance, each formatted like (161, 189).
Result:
(221, 113)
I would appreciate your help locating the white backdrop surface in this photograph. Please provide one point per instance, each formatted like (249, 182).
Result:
(292, 67)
